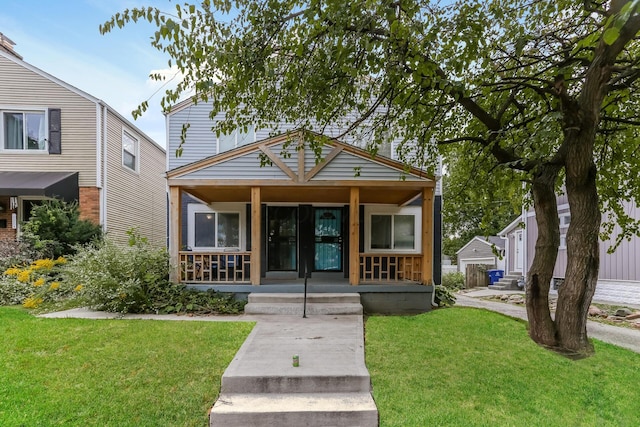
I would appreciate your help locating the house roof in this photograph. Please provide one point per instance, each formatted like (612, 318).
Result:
(515, 223)
(49, 184)
(287, 170)
(489, 241)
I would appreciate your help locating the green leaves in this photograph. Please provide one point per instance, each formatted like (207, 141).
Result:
(611, 35)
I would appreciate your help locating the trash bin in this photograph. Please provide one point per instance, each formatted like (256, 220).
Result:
(495, 275)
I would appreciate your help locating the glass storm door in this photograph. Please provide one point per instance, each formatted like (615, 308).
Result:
(328, 239)
(282, 234)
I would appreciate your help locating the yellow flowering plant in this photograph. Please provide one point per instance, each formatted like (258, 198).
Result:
(33, 284)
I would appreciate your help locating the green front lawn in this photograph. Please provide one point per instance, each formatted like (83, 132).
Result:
(75, 372)
(467, 367)
(456, 367)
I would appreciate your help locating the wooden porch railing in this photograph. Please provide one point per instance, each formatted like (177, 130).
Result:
(215, 267)
(390, 267)
(235, 267)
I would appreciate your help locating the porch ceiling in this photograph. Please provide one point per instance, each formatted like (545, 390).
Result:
(379, 194)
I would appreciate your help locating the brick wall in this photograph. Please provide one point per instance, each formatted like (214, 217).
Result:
(90, 204)
(6, 233)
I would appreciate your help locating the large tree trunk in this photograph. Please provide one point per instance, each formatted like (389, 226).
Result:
(583, 255)
(541, 327)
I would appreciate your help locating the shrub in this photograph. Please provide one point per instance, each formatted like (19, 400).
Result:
(34, 284)
(116, 278)
(453, 281)
(135, 279)
(444, 297)
(13, 253)
(55, 228)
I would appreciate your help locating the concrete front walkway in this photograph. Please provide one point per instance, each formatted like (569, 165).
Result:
(261, 387)
(617, 335)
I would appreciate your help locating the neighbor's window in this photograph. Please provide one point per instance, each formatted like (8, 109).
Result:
(24, 130)
(393, 232)
(130, 148)
(565, 220)
(217, 229)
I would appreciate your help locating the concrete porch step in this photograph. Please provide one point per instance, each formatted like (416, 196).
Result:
(298, 308)
(293, 304)
(293, 298)
(294, 409)
(509, 282)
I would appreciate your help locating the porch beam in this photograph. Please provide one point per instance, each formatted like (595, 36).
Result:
(255, 235)
(208, 182)
(175, 231)
(427, 236)
(354, 236)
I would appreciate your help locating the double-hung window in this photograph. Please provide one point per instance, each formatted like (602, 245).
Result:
(393, 231)
(235, 139)
(217, 230)
(24, 130)
(130, 150)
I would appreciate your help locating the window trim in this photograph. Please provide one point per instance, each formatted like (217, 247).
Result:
(24, 110)
(563, 241)
(392, 211)
(136, 155)
(221, 208)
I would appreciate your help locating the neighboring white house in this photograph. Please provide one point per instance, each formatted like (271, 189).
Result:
(58, 141)
(484, 251)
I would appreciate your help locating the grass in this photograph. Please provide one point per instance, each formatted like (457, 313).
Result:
(75, 372)
(468, 367)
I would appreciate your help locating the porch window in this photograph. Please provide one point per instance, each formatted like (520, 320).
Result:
(217, 229)
(392, 231)
(24, 130)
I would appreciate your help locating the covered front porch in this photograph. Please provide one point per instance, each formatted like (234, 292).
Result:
(343, 219)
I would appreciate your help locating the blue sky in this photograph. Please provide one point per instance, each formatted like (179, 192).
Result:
(61, 37)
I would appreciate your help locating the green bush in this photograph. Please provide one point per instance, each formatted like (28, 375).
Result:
(54, 229)
(453, 281)
(34, 283)
(13, 254)
(444, 297)
(116, 278)
(135, 279)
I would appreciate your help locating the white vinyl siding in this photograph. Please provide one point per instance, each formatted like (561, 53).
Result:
(135, 199)
(22, 89)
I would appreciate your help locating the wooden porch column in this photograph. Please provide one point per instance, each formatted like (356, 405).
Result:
(175, 231)
(354, 236)
(427, 236)
(255, 235)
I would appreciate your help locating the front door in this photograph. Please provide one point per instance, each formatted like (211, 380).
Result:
(328, 239)
(519, 251)
(282, 235)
